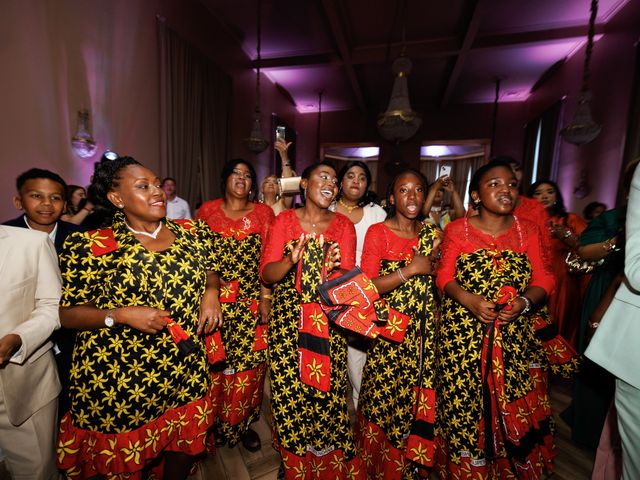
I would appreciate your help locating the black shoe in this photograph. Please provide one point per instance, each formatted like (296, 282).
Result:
(250, 440)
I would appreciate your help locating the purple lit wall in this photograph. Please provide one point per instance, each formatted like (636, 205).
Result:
(611, 77)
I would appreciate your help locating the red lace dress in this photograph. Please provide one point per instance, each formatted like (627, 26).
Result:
(311, 427)
(493, 419)
(237, 246)
(396, 411)
(565, 303)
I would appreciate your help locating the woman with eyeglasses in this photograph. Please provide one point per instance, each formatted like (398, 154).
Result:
(308, 355)
(240, 226)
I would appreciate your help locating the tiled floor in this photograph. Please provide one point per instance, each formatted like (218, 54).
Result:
(572, 462)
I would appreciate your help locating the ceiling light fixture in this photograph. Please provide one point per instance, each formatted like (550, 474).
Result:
(399, 123)
(257, 143)
(582, 128)
(82, 142)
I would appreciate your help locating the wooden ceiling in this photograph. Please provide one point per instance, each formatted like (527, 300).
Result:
(458, 48)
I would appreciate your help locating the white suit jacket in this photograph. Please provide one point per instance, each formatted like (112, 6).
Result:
(29, 296)
(616, 343)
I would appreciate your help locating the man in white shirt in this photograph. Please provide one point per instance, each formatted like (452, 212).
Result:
(177, 208)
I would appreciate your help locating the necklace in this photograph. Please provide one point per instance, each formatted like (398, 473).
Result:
(350, 208)
(153, 234)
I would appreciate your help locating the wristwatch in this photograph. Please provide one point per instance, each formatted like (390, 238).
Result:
(109, 321)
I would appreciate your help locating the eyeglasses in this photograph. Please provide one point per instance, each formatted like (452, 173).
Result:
(241, 174)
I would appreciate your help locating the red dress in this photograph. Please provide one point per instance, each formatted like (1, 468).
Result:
(493, 419)
(237, 246)
(396, 411)
(565, 303)
(311, 426)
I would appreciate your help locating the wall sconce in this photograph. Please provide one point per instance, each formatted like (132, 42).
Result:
(82, 143)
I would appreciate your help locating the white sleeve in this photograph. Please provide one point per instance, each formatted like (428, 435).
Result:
(632, 246)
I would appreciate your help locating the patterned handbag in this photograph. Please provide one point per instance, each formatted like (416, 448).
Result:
(348, 301)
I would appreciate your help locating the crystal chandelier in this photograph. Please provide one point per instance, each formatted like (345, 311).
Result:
(399, 122)
(256, 142)
(582, 128)
(82, 142)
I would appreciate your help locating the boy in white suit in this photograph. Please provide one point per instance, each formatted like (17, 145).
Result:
(615, 343)
(29, 385)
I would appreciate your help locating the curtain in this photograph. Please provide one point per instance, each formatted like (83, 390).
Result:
(462, 169)
(542, 135)
(195, 101)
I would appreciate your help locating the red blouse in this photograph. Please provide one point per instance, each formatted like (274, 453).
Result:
(286, 227)
(462, 237)
(256, 221)
(381, 243)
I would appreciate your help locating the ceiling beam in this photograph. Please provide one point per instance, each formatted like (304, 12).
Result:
(435, 47)
(323, 58)
(467, 43)
(339, 35)
(520, 38)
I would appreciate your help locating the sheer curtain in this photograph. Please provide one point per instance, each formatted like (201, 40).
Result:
(195, 101)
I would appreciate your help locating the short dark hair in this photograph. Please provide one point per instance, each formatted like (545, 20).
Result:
(557, 209)
(34, 173)
(391, 209)
(169, 178)
(474, 184)
(306, 173)
(227, 170)
(590, 208)
(368, 196)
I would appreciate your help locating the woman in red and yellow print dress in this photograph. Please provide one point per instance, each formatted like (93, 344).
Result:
(396, 412)
(140, 404)
(492, 419)
(240, 227)
(307, 355)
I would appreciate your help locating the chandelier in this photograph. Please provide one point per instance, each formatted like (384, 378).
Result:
(82, 142)
(399, 122)
(582, 128)
(256, 142)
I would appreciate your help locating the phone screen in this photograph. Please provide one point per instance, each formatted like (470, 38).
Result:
(280, 133)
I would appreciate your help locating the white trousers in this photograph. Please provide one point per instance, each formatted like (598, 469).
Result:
(628, 406)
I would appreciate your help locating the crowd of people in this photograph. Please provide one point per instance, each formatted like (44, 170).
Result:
(443, 326)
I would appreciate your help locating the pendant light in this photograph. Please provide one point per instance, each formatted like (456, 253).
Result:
(399, 122)
(582, 128)
(256, 142)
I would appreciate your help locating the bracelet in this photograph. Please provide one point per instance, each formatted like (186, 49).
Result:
(286, 164)
(266, 296)
(401, 275)
(528, 304)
